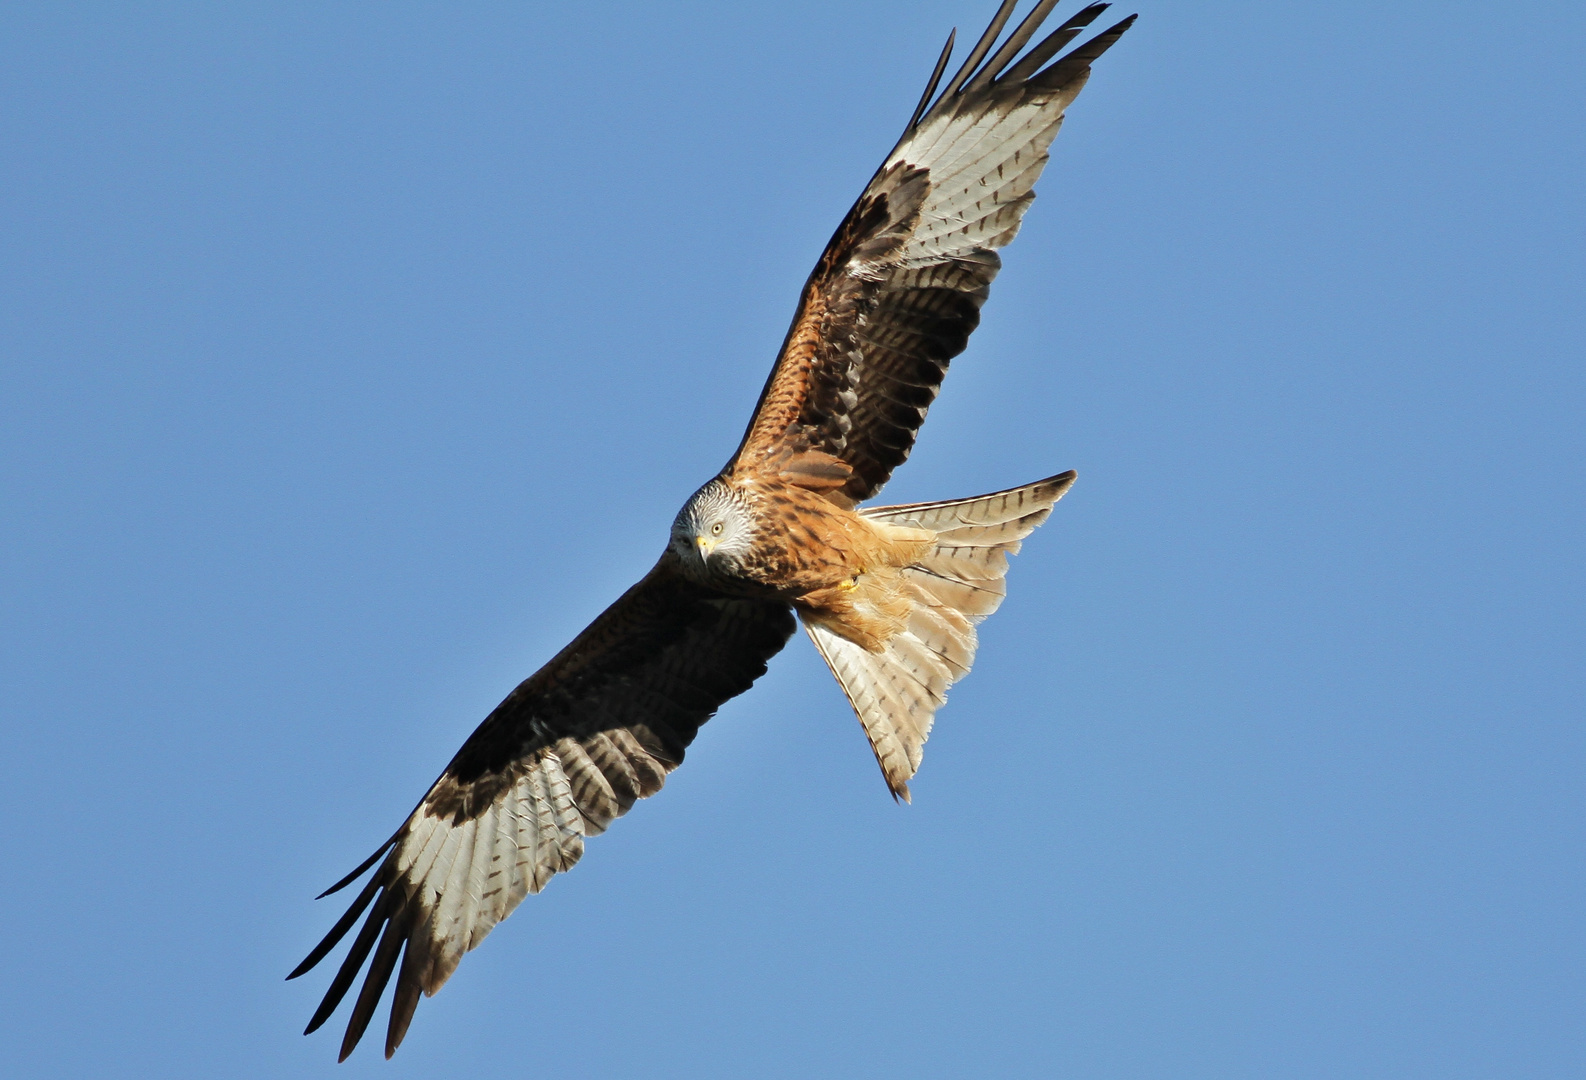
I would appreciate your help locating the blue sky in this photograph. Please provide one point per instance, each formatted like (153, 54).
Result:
(353, 358)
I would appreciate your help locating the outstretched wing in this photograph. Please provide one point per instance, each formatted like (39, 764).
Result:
(898, 290)
(565, 754)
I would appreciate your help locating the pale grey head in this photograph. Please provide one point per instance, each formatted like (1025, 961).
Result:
(714, 531)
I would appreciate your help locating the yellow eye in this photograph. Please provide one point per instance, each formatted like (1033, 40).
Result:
(715, 530)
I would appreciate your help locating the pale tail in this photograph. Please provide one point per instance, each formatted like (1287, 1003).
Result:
(897, 691)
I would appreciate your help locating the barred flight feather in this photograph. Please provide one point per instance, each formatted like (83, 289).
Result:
(892, 300)
(952, 191)
(504, 819)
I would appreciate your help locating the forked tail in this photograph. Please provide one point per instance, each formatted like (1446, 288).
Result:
(897, 690)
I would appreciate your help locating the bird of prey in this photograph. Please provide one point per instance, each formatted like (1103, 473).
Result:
(889, 595)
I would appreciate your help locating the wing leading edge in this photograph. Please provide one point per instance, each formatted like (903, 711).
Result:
(569, 751)
(892, 300)
(898, 290)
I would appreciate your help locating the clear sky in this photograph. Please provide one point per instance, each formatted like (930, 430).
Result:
(352, 357)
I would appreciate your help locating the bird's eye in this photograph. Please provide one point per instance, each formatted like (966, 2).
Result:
(715, 530)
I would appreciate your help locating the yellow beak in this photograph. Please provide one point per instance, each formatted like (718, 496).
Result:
(706, 545)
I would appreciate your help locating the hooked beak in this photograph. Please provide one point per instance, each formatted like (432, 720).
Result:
(705, 546)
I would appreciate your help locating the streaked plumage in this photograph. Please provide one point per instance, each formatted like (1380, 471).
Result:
(889, 595)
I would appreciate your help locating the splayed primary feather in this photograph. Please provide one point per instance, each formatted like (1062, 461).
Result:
(890, 596)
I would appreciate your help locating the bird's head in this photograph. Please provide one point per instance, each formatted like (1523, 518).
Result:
(713, 531)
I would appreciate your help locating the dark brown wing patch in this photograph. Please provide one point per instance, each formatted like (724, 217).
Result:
(898, 289)
(568, 752)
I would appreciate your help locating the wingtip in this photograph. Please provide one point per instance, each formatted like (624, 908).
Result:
(931, 84)
(321, 1015)
(349, 1041)
(1058, 485)
(1074, 66)
(1116, 30)
(363, 867)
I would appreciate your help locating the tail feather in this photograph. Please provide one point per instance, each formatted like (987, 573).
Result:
(1004, 532)
(974, 599)
(994, 509)
(894, 738)
(953, 586)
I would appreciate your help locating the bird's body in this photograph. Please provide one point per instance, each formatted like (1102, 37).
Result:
(890, 596)
(830, 564)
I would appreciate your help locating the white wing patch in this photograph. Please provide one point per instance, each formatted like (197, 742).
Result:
(982, 171)
(466, 877)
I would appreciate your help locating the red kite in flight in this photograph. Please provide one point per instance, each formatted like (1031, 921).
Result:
(889, 595)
